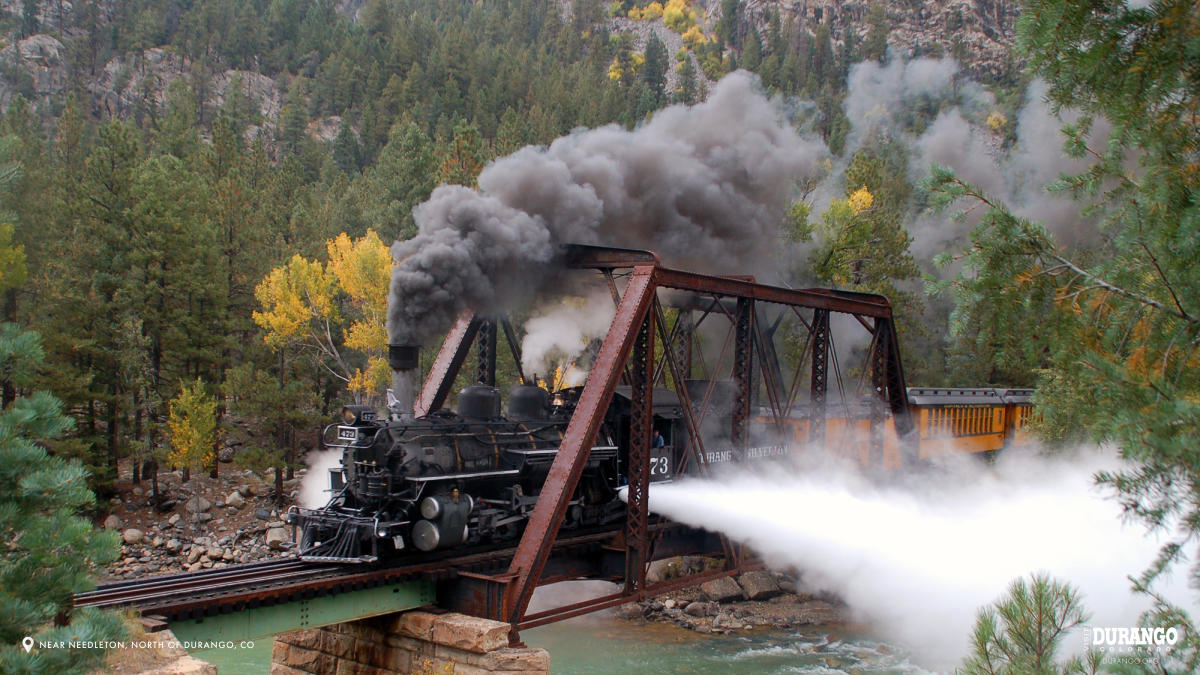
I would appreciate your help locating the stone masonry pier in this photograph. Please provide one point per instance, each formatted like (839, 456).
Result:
(408, 642)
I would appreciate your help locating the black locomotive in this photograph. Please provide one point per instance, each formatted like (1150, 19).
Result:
(468, 477)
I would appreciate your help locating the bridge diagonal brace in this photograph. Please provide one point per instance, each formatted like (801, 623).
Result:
(447, 364)
(542, 529)
(820, 376)
(640, 429)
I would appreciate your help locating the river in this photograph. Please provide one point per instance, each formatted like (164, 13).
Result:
(605, 644)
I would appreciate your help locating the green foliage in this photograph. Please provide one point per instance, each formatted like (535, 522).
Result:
(874, 47)
(463, 157)
(12, 260)
(1021, 632)
(50, 549)
(860, 241)
(1111, 324)
(654, 70)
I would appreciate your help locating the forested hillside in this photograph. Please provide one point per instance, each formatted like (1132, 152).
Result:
(164, 157)
(197, 198)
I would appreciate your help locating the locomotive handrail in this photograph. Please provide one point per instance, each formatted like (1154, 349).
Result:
(463, 476)
(358, 443)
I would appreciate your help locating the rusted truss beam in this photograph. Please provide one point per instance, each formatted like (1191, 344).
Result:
(539, 535)
(447, 364)
(638, 472)
(819, 298)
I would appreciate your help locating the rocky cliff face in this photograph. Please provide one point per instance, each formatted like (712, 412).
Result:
(132, 84)
(983, 29)
(125, 85)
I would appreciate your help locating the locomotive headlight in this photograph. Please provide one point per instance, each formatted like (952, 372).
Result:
(358, 414)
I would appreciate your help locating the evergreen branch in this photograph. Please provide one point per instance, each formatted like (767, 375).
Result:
(1162, 275)
(1042, 248)
(1100, 282)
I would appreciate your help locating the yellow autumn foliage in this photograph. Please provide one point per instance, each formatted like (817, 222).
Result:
(996, 122)
(293, 296)
(678, 16)
(861, 200)
(307, 303)
(192, 421)
(694, 36)
(615, 71)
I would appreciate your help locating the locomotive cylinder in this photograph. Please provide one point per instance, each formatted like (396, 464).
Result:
(445, 522)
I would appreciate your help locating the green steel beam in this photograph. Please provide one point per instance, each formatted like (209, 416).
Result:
(249, 624)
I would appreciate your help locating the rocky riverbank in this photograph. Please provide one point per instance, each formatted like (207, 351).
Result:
(727, 605)
(201, 524)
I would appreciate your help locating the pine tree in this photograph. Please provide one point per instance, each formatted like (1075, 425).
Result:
(1021, 632)
(346, 152)
(874, 47)
(1116, 316)
(654, 70)
(752, 55)
(50, 549)
(462, 158)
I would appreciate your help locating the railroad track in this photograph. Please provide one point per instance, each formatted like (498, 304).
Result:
(148, 591)
(216, 591)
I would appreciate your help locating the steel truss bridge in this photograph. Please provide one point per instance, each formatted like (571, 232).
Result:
(248, 601)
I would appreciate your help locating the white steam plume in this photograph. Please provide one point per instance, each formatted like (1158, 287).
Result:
(559, 337)
(919, 562)
(706, 184)
(314, 489)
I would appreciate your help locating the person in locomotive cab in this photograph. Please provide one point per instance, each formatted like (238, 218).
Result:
(658, 441)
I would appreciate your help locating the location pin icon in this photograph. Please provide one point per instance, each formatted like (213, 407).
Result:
(27, 643)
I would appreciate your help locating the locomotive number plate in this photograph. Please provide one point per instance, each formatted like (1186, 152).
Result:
(661, 467)
(348, 433)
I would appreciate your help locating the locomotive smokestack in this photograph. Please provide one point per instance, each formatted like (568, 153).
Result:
(403, 360)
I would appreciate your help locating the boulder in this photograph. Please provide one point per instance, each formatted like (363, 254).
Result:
(197, 505)
(112, 522)
(277, 537)
(132, 536)
(235, 499)
(699, 609)
(173, 545)
(262, 514)
(174, 519)
(194, 555)
(469, 633)
(724, 589)
(759, 585)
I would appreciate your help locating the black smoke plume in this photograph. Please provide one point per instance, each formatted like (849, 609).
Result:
(703, 186)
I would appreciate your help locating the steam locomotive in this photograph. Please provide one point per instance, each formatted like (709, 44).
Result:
(465, 477)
